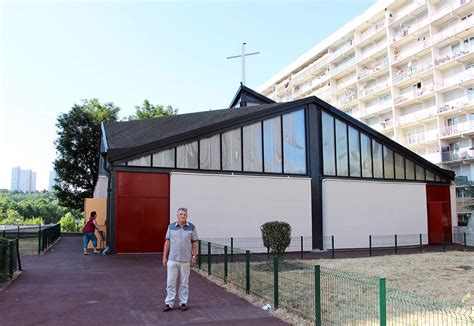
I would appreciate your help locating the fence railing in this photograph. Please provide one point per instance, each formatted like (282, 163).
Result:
(9, 260)
(323, 295)
(33, 239)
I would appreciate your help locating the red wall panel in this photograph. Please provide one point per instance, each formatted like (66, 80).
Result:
(439, 214)
(142, 211)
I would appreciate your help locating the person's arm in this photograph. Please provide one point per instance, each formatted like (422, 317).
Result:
(166, 250)
(194, 240)
(96, 225)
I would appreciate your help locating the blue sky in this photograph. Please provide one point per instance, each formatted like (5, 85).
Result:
(53, 54)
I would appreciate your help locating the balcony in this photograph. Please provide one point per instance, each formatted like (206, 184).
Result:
(434, 158)
(456, 80)
(370, 32)
(446, 58)
(373, 50)
(379, 66)
(457, 129)
(343, 66)
(382, 126)
(447, 8)
(408, 31)
(411, 51)
(456, 105)
(347, 100)
(343, 85)
(417, 116)
(380, 107)
(401, 75)
(406, 10)
(453, 30)
(343, 49)
(458, 155)
(310, 72)
(420, 92)
(374, 89)
(420, 138)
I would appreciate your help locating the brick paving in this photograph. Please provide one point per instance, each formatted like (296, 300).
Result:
(64, 287)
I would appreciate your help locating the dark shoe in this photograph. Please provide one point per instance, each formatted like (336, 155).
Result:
(167, 308)
(183, 307)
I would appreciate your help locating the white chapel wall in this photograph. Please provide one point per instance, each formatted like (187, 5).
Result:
(224, 206)
(353, 210)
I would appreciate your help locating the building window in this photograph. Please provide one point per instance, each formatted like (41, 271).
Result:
(253, 155)
(141, 161)
(210, 153)
(377, 158)
(294, 143)
(231, 150)
(341, 148)
(429, 176)
(164, 159)
(420, 173)
(410, 170)
(329, 164)
(365, 155)
(187, 156)
(388, 163)
(272, 145)
(399, 167)
(354, 152)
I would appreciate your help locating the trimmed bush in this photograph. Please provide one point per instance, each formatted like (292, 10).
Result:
(276, 236)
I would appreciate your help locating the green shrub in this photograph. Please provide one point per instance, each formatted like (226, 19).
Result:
(276, 236)
(68, 224)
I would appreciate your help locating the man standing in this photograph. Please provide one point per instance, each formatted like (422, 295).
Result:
(179, 254)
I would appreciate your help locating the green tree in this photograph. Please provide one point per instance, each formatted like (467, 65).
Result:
(12, 217)
(148, 110)
(68, 223)
(78, 149)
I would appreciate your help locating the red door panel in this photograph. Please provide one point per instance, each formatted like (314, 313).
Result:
(142, 211)
(439, 214)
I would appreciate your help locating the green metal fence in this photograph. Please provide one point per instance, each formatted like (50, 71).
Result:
(9, 260)
(323, 295)
(33, 239)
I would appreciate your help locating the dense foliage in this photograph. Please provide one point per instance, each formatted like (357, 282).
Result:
(276, 236)
(33, 208)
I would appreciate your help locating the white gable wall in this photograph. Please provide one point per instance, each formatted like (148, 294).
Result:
(224, 206)
(353, 210)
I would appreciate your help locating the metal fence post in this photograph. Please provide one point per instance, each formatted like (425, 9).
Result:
(370, 246)
(199, 254)
(10, 263)
(39, 242)
(421, 243)
(232, 249)
(275, 282)
(208, 258)
(317, 295)
(465, 242)
(18, 254)
(396, 244)
(4, 233)
(301, 247)
(383, 301)
(225, 265)
(18, 232)
(332, 247)
(247, 271)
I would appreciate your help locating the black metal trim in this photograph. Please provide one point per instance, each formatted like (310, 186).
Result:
(263, 146)
(242, 90)
(242, 148)
(282, 146)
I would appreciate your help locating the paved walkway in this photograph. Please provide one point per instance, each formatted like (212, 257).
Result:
(64, 287)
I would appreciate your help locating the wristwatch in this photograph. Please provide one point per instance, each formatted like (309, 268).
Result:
(194, 257)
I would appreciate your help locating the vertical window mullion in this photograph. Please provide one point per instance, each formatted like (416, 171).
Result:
(263, 147)
(348, 152)
(372, 155)
(282, 146)
(335, 143)
(360, 155)
(241, 148)
(199, 154)
(220, 151)
(175, 157)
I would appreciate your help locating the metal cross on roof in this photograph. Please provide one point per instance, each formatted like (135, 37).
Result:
(243, 55)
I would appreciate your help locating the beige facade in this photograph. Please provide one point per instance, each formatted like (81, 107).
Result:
(406, 69)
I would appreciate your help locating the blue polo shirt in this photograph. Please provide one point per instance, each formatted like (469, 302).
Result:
(181, 239)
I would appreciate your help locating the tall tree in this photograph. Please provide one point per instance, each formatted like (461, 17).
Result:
(148, 110)
(78, 149)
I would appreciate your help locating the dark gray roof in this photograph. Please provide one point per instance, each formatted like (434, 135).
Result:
(131, 134)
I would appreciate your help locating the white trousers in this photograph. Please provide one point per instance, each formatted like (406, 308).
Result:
(176, 268)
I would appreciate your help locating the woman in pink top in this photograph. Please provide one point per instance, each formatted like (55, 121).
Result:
(88, 233)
